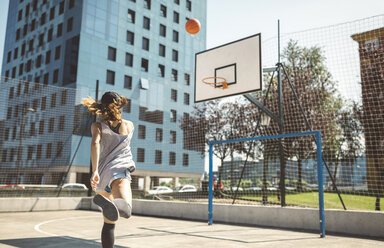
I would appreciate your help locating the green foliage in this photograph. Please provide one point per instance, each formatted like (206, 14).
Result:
(168, 184)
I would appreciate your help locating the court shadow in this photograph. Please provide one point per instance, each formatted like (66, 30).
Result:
(57, 242)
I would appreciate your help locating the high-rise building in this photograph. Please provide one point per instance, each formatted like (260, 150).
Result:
(138, 48)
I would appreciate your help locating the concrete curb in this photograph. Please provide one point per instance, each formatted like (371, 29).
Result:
(361, 223)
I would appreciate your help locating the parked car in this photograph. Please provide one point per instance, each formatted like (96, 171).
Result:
(233, 188)
(74, 186)
(13, 186)
(254, 188)
(186, 188)
(159, 190)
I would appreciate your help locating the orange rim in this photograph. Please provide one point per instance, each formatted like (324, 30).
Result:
(221, 83)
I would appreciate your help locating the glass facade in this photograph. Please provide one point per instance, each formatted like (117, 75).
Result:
(137, 48)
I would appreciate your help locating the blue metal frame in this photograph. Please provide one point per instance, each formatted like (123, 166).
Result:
(317, 135)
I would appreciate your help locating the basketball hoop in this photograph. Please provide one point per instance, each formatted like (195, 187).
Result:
(219, 82)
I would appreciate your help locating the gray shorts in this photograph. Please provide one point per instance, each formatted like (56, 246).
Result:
(125, 174)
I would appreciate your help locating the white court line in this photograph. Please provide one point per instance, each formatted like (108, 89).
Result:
(37, 228)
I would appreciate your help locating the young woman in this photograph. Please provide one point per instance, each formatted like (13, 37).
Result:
(112, 161)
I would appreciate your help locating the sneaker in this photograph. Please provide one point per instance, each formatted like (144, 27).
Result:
(110, 210)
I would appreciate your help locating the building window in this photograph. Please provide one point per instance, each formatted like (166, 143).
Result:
(177, 2)
(46, 78)
(145, 44)
(61, 8)
(30, 48)
(127, 107)
(187, 79)
(9, 56)
(175, 55)
(41, 39)
(172, 158)
(39, 151)
(55, 76)
(130, 37)
(174, 95)
(185, 159)
(59, 30)
(32, 129)
(158, 155)
(174, 75)
(159, 134)
(9, 113)
(59, 149)
(189, 5)
(23, 49)
(15, 53)
(42, 19)
(57, 52)
(51, 125)
(161, 50)
(18, 34)
(61, 123)
(41, 127)
(131, 16)
(163, 11)
(47, 57)
(25, 30)
(128, 59)
(172, 137)
(63, 97)
(52, 13)
(146, 23)
(53, 100)
(30, 152)
(71, 4)
(163, 30)
(186, 98)
(110, 77)
(69, 24)
(176, 17)
(48, 151)
(161, 70)
(173, 115)
(144, 65)
(4, 156)
(127, 82)
(43, 102)
(147, 4)
(112, 53)
(175, 36)
(141, 132)
(50, 34)
(29, 65)
(21, 69)
(140, 155)
(35, 104)
(20, 15)
(11, 91)
(6, 133)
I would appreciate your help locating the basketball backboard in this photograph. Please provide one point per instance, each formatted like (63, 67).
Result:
(239, 62)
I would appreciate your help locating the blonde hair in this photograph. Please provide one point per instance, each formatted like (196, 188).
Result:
(109, 111)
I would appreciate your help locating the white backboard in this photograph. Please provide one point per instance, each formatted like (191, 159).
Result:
(239, 62)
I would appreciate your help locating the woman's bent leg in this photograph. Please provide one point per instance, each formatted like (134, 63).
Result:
(122, 194)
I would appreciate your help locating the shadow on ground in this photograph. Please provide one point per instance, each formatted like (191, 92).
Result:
(57, 242)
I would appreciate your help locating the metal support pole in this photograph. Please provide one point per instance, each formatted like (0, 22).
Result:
(281, 124)
(320, 185)
(210, 192)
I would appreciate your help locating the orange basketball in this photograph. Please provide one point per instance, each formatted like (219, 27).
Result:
(192, 26)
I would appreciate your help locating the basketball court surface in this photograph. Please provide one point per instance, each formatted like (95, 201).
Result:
(82, 229)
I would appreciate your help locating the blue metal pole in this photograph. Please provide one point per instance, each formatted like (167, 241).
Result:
(320, 183)
(210, 192)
